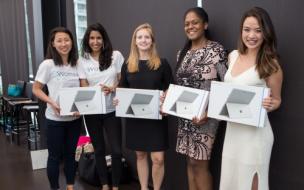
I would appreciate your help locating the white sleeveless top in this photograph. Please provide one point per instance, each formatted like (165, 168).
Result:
(248, 77)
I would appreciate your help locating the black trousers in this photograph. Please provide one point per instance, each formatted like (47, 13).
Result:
(96, 124)
(62, 138)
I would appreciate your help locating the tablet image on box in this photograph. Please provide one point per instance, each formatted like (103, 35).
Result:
(237, 103)
(85, 100)
(138, 103)
(185, 102)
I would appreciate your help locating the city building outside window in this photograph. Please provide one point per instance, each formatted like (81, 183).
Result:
(80, 10)
(28, 44)
(200, 3)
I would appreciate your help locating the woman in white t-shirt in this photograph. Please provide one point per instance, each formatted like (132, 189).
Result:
(102, 66)
(58, 70)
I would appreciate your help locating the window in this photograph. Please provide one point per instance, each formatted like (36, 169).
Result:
(80, 10)
(1, 91)
(82, 18)
(82, 7)
(199, 3)
(28, 44)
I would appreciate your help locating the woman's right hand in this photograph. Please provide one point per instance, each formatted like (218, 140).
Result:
(55, 107)
(200, 120)
(115, 101)
(162, 98)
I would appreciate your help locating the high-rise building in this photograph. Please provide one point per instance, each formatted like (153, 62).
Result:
(80, 10)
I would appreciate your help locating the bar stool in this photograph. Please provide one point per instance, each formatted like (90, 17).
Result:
(18, 123)
(32, 124)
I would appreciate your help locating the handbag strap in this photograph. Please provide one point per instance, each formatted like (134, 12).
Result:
(85, 126)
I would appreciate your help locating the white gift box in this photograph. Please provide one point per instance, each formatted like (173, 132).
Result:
(39, 159)
(237, 103)
(185, 102)
(138, 103)
(85, 100)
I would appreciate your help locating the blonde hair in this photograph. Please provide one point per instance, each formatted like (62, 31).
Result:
(154, 60)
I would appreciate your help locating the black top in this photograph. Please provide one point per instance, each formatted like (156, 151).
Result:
(145, 78)
(147, 134)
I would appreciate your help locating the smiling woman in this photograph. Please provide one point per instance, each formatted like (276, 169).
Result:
(144, 69)
(250, 158)
(252, 35)
(143, 46)
(199, 62)
(63, 45)
(57, 70)
(102, 66)
(143, 40)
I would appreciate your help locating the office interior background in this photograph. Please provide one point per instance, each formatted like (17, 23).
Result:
(25, 25)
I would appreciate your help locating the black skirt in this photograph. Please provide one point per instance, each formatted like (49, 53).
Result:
(147, 135)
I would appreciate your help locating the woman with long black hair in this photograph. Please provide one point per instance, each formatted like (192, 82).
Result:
(102, 66)
(59, 70)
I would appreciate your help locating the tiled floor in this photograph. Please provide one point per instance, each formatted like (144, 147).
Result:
(16, 170)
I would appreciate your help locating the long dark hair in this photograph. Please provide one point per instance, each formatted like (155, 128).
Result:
(52, 53)
(202, 14)
(105, 57)
(267, 58)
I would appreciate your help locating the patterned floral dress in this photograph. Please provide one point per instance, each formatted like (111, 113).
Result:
(197, 70)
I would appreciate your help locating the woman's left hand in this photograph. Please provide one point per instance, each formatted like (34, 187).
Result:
(115, 101)
(107, 89)
(201, 120)
(162, 99)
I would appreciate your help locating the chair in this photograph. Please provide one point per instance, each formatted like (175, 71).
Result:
(7, 110)
(1, 113)
(18, 120)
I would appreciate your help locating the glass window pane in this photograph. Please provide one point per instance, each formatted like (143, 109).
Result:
(29, 54)
(80, 10)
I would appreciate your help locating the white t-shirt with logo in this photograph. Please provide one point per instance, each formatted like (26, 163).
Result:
(57, 77)
(106, 77)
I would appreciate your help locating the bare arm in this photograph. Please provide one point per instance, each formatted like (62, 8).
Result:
(84, 82)
(115, 100)
(37, 91)
(117, 82)
(274, 82)
(108, 89)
